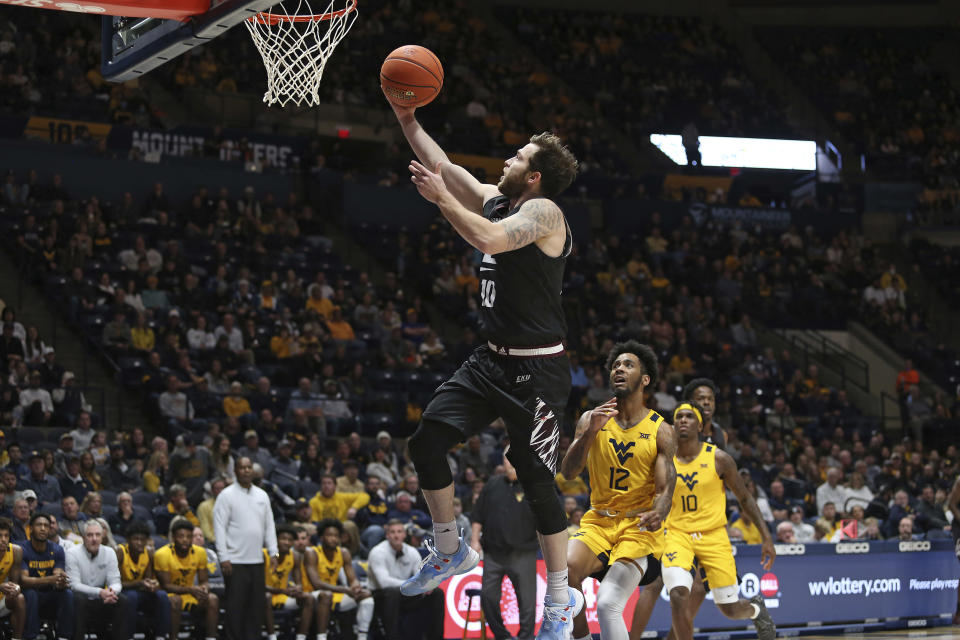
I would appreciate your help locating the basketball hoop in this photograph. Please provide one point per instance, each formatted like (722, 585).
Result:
(295, 47)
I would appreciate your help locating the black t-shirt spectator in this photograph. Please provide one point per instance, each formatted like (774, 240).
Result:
(507, 521)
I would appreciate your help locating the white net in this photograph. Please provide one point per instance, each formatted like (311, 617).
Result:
(295, 46)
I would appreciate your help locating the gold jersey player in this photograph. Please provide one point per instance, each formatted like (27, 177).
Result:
(628, 450)
(696, 530)
(284, 591)
(520, 373)
(12, 602)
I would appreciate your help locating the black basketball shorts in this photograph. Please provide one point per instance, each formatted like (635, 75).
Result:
(530, 394)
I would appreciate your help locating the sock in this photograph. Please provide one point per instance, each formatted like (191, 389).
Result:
(446, 537)
(158, 638)
(361, 636)
(271, 636)
(589, 636)
(557, 587)
(321, 636)
(756, 610)
(301, 636)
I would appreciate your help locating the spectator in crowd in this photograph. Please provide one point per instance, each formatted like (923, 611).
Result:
(191, 467)
(350, 482)
(44, 485)
(21, 520)
(83, 432)
(175, 406)
(831, 491)
(391, 562)
(905, 531)
(95, 581)
(786, 533)
(117, 474)
(252, 449)
(205, 509)
(72, 520)
(36, 402)
(121, 520)
(177, 505)
(404, 512)
(329, 503)
(73, 483)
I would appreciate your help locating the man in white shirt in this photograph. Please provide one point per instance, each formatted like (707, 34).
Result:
(229, 329)
(95, 581)
(802, 531)
(243, 525)
(36, 403)
(390, 563)
(831, 491)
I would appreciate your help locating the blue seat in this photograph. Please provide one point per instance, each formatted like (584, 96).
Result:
(146, 500)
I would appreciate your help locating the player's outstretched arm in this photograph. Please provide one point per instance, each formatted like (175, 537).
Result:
(587, 428)
(536, 219)
(469, 192)
(731, 479)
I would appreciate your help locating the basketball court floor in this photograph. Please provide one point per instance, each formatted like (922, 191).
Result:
(938, 633)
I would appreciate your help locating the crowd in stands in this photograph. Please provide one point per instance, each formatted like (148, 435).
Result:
(50, 61)
(706, 83)
(888, 91)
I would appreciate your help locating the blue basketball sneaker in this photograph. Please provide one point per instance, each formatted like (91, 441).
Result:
(437, 567)
(558, 618)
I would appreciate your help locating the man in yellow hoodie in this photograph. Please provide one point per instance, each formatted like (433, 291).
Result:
(329, 503)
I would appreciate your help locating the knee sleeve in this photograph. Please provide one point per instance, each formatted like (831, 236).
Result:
(540, 489)
(674, 577)
(615, 589)
(547, 510)
(428, 451)
(726, 595)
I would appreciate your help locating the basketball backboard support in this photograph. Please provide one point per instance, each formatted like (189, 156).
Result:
(133, 45)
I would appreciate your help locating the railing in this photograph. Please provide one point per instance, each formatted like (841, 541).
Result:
(890, 414)
(847, 365)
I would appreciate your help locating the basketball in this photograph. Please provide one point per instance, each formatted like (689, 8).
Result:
(411, 76)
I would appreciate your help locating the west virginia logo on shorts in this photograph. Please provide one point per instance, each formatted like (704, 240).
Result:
(622, 449)
(689, 479)
(671, 555)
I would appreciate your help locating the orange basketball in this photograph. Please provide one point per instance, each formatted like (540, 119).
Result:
(411, 76)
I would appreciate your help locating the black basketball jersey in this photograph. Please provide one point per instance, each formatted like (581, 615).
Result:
(520, 290)
(717, 437)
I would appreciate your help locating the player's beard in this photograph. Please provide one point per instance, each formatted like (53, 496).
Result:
(511, 185)
(625, 392)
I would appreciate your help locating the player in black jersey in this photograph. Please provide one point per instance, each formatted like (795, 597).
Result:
(703, 392)
(520, 373)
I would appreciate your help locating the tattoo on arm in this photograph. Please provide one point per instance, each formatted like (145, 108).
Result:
(535, 219)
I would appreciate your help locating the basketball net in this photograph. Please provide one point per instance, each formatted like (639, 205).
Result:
(295, 46)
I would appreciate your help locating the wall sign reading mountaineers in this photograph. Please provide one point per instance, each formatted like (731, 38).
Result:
(822, 583)
(282, 152)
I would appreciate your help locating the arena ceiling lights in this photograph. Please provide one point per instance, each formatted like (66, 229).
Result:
(745, 153)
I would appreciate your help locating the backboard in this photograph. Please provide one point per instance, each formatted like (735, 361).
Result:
(140, 40)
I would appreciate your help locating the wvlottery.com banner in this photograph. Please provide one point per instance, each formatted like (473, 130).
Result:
(813, 583)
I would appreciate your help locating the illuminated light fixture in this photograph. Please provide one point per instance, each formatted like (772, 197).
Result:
(745, 153)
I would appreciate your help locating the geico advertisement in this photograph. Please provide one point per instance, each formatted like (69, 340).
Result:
(808, 583)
